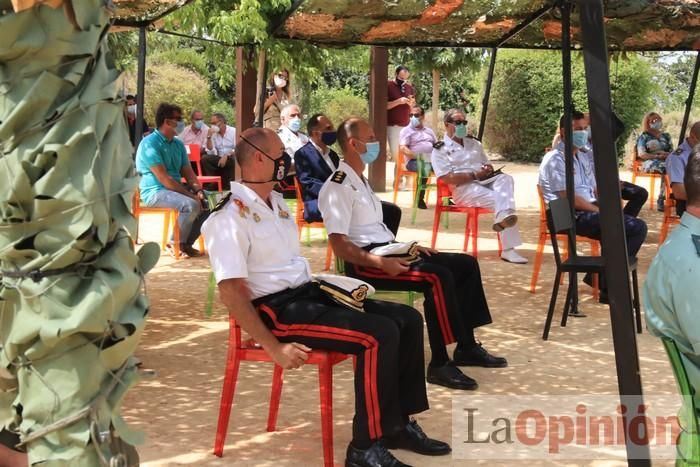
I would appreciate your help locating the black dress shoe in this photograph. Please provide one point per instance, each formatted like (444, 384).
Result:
(376, 455)
(478, 356)
(412, 438)
(421, 204)
(450, 376)
(189, 251)
(577, 313)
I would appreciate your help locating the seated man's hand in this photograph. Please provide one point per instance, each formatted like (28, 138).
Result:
(222, 161)
(427, 251)
(394, 266)
(290, 356)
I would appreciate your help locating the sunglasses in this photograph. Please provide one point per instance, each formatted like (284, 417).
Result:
(459, 122)
(415, 115)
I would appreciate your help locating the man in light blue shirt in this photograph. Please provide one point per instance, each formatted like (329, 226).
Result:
(162, 161)
(552, 180)
(675, 166)
(671, 293)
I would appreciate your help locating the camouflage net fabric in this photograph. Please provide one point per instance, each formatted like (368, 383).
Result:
(71, 302)
(629, 24)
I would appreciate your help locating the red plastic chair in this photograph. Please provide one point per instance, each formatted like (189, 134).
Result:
(195, 155)
(250, 351)
(471, 229)
(301, 223)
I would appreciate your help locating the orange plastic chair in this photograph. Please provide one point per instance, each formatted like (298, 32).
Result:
(471, 229)
(402, 172)
(564, 242)
(195, 155)
(248, 350)
(301, 223)
(637, 171)
(670, 217)
(169, 216)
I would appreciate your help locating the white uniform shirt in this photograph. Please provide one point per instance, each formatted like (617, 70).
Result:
(224, 144)
(456, 158)
(552, 177)
(350, 207)
(292, 142)
(248, 240)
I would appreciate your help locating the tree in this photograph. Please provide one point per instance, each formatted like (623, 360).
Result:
(439, 62)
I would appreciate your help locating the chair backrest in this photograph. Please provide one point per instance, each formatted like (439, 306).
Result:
(688, 409)
(543, 207)
(194, 154)
(300, 201)
(561, 215)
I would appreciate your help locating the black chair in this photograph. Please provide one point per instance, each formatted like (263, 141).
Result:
(560, 221)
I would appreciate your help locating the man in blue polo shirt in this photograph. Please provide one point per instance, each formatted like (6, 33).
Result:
(162, 161)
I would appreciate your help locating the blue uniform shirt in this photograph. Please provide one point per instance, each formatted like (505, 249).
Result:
(155, 149)
(671, 294)
(676, 162)
(552, 176)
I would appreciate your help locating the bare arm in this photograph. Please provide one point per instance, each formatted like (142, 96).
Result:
(678, 190)
(397, 102)
(167, 181)
(234, 294)
(189, 175)
(407, 152)
(348, 251)
(580, 204)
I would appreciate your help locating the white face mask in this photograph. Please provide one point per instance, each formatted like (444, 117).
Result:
(280, 82)
(131, 109)
(214, 129)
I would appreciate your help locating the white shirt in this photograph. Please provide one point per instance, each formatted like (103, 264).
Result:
(457, 158)
(350, 207)
(248, 240)
(292, 142)
(552, 177)
(189, 136)
(325, 155)
(224, 144)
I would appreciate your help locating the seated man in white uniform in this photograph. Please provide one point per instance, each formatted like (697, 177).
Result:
(460, 160)
(267, 287)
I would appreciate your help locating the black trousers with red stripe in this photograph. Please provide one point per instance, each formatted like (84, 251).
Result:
(455, 302)
(387, 340)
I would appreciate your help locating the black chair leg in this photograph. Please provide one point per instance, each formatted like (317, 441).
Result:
(571, 298)
(635, 301)
(552, 305)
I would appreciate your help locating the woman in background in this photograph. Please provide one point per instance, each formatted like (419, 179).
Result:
(653, 145)
(278, 96)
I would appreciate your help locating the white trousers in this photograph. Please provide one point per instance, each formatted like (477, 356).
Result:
(393, 133)
(496, 194)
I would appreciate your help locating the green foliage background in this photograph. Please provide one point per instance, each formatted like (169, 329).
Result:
(526, 100)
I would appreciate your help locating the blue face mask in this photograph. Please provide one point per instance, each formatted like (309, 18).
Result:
(580, 138)
(371, 153)
(461, 130)
(295, 124)
(657, 125)
(180, 126)
(415, 121)
(198, 124)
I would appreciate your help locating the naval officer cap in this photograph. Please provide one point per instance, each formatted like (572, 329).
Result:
(347, 291)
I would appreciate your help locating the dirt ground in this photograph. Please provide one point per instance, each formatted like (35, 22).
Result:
(183, 350)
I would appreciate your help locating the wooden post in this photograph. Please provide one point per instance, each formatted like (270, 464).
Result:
(245, 89)
(436, 99)
(378, 78)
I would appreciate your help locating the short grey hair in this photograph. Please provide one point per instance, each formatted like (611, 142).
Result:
(287, 108)
(449, 115)
(194, 112)
(219, 116)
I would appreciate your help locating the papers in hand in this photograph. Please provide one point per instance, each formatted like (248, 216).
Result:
(407, 251)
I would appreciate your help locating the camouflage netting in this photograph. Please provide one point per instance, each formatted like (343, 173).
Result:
(144, 10)
(71, 307)
(629, 24)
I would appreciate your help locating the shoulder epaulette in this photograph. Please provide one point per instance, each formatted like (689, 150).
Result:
(338, 176)
(696, 242)
(222, 202)
(438, 144)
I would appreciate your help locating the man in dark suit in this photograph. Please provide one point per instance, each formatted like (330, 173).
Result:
(315, 162)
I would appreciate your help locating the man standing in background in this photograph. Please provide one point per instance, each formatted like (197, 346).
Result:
(401, 96)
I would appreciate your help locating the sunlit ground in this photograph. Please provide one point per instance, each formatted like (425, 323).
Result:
(177, 406)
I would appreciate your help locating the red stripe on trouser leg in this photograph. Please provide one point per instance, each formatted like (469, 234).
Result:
(419, 276)
(332, 333)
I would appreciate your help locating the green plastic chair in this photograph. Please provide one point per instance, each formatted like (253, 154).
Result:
(688, 443)
(424, 170)
(410, 295)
